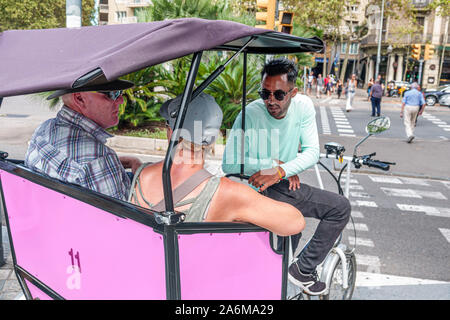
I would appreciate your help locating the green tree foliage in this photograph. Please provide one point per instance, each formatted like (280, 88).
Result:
(39, 14)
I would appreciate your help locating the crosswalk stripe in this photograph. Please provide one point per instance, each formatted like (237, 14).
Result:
(356, 187)
(409, 193)
(385, 179)
(431, 211)
(445, 233)
(358, 226)
(356, 194)
(416, 181)
(361, 203)
(357, 214)
(368, 260)
(361, 242)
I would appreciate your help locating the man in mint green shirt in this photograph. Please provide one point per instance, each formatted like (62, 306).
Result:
(276, 126)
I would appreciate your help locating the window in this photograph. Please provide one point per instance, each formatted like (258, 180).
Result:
(120, 15)
(420, 21)
(353, 48)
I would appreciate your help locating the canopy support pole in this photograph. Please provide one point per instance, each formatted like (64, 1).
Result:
(244, 101)
(219, 70)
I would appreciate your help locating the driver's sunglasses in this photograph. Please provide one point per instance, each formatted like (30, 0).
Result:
(278, 94)
(113, 95)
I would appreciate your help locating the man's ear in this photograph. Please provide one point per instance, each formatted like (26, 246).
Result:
(78, 100)
(294, 92)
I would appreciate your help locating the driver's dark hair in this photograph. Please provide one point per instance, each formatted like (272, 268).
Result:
(279, 66)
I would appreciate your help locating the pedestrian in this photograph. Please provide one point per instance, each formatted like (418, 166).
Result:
(413, 104)
(311, 79)
(339, 88)
(328, 85)
(369, 85)
(351, 85)
(319, 86)
(376, 93)
(283, 118)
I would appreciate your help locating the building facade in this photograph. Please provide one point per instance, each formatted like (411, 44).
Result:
(120, 11)
(396, 62)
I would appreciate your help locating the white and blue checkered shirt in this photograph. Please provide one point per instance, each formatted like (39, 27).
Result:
(72, 148)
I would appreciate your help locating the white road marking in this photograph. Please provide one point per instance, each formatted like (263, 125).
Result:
(357, 214)
(361, 242)
(416, 181)
(360, 195)
(368, 260)
(352, 180)
(346, 130)
(385, 179)
(444, 125)
(343, 126)
(409, 193)
(361, 203)
(347, 135)
(324, 120)
(431, 211)
(446, 183)
(358, 226)
(368, 279)
(356, 187)
(445, 233)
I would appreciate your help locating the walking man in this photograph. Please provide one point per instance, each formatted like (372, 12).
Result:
(275, 126)
(413, 104)
(376, 92)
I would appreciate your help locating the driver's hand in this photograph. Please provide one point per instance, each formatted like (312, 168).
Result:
(265, 178)
(294, 183)
(401, 114)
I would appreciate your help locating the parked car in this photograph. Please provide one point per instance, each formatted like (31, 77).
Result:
(396, 88)
(444, 100)
(432, 95)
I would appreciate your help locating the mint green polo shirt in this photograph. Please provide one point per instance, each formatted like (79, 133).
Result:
(268, 139)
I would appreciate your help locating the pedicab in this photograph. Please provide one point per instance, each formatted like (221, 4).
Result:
(69, 242)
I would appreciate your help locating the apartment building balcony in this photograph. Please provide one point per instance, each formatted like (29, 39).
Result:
(138, 3)
(103, 8)
(125, 20)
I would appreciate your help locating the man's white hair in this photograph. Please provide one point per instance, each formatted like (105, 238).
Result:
(414, 85)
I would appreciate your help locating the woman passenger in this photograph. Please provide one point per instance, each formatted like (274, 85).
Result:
(209, 198)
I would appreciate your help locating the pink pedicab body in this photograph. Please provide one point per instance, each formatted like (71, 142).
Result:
(221, 266)
(78, 250)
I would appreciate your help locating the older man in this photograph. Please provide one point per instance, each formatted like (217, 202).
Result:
(413, 105)
(71, 147)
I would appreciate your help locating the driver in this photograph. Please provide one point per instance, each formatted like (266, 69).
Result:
(71, 147)
(201, 196)
(275, 125)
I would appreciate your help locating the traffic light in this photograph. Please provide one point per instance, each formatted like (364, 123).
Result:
(429, 52)
(285, 22)
(416, 51)
(268, 16)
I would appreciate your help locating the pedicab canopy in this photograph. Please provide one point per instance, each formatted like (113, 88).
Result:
(43, 60)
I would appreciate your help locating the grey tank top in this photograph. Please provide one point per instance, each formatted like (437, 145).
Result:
(200, 204)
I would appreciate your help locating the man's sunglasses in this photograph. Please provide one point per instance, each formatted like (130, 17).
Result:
(113, 95)
(278, 94)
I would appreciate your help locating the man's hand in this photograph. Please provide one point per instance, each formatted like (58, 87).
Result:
(130, 162)
(294, 182)
(266, 178)
(401, 114)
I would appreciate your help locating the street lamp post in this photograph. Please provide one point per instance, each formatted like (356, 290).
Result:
(377, 68)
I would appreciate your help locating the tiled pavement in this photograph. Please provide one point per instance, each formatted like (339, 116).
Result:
(9, 286)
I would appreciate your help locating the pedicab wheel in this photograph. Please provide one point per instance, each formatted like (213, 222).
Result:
(336, 291)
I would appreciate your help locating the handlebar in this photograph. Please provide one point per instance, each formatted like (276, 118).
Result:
(377, 164)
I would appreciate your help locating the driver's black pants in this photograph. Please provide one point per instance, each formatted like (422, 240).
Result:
(332, 209)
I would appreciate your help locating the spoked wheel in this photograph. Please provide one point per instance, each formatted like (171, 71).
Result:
(337, 291)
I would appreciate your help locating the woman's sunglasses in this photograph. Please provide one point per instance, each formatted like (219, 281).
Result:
(278, 94)
(113, 95)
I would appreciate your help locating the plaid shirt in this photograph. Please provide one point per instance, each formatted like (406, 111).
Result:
(72, 148)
